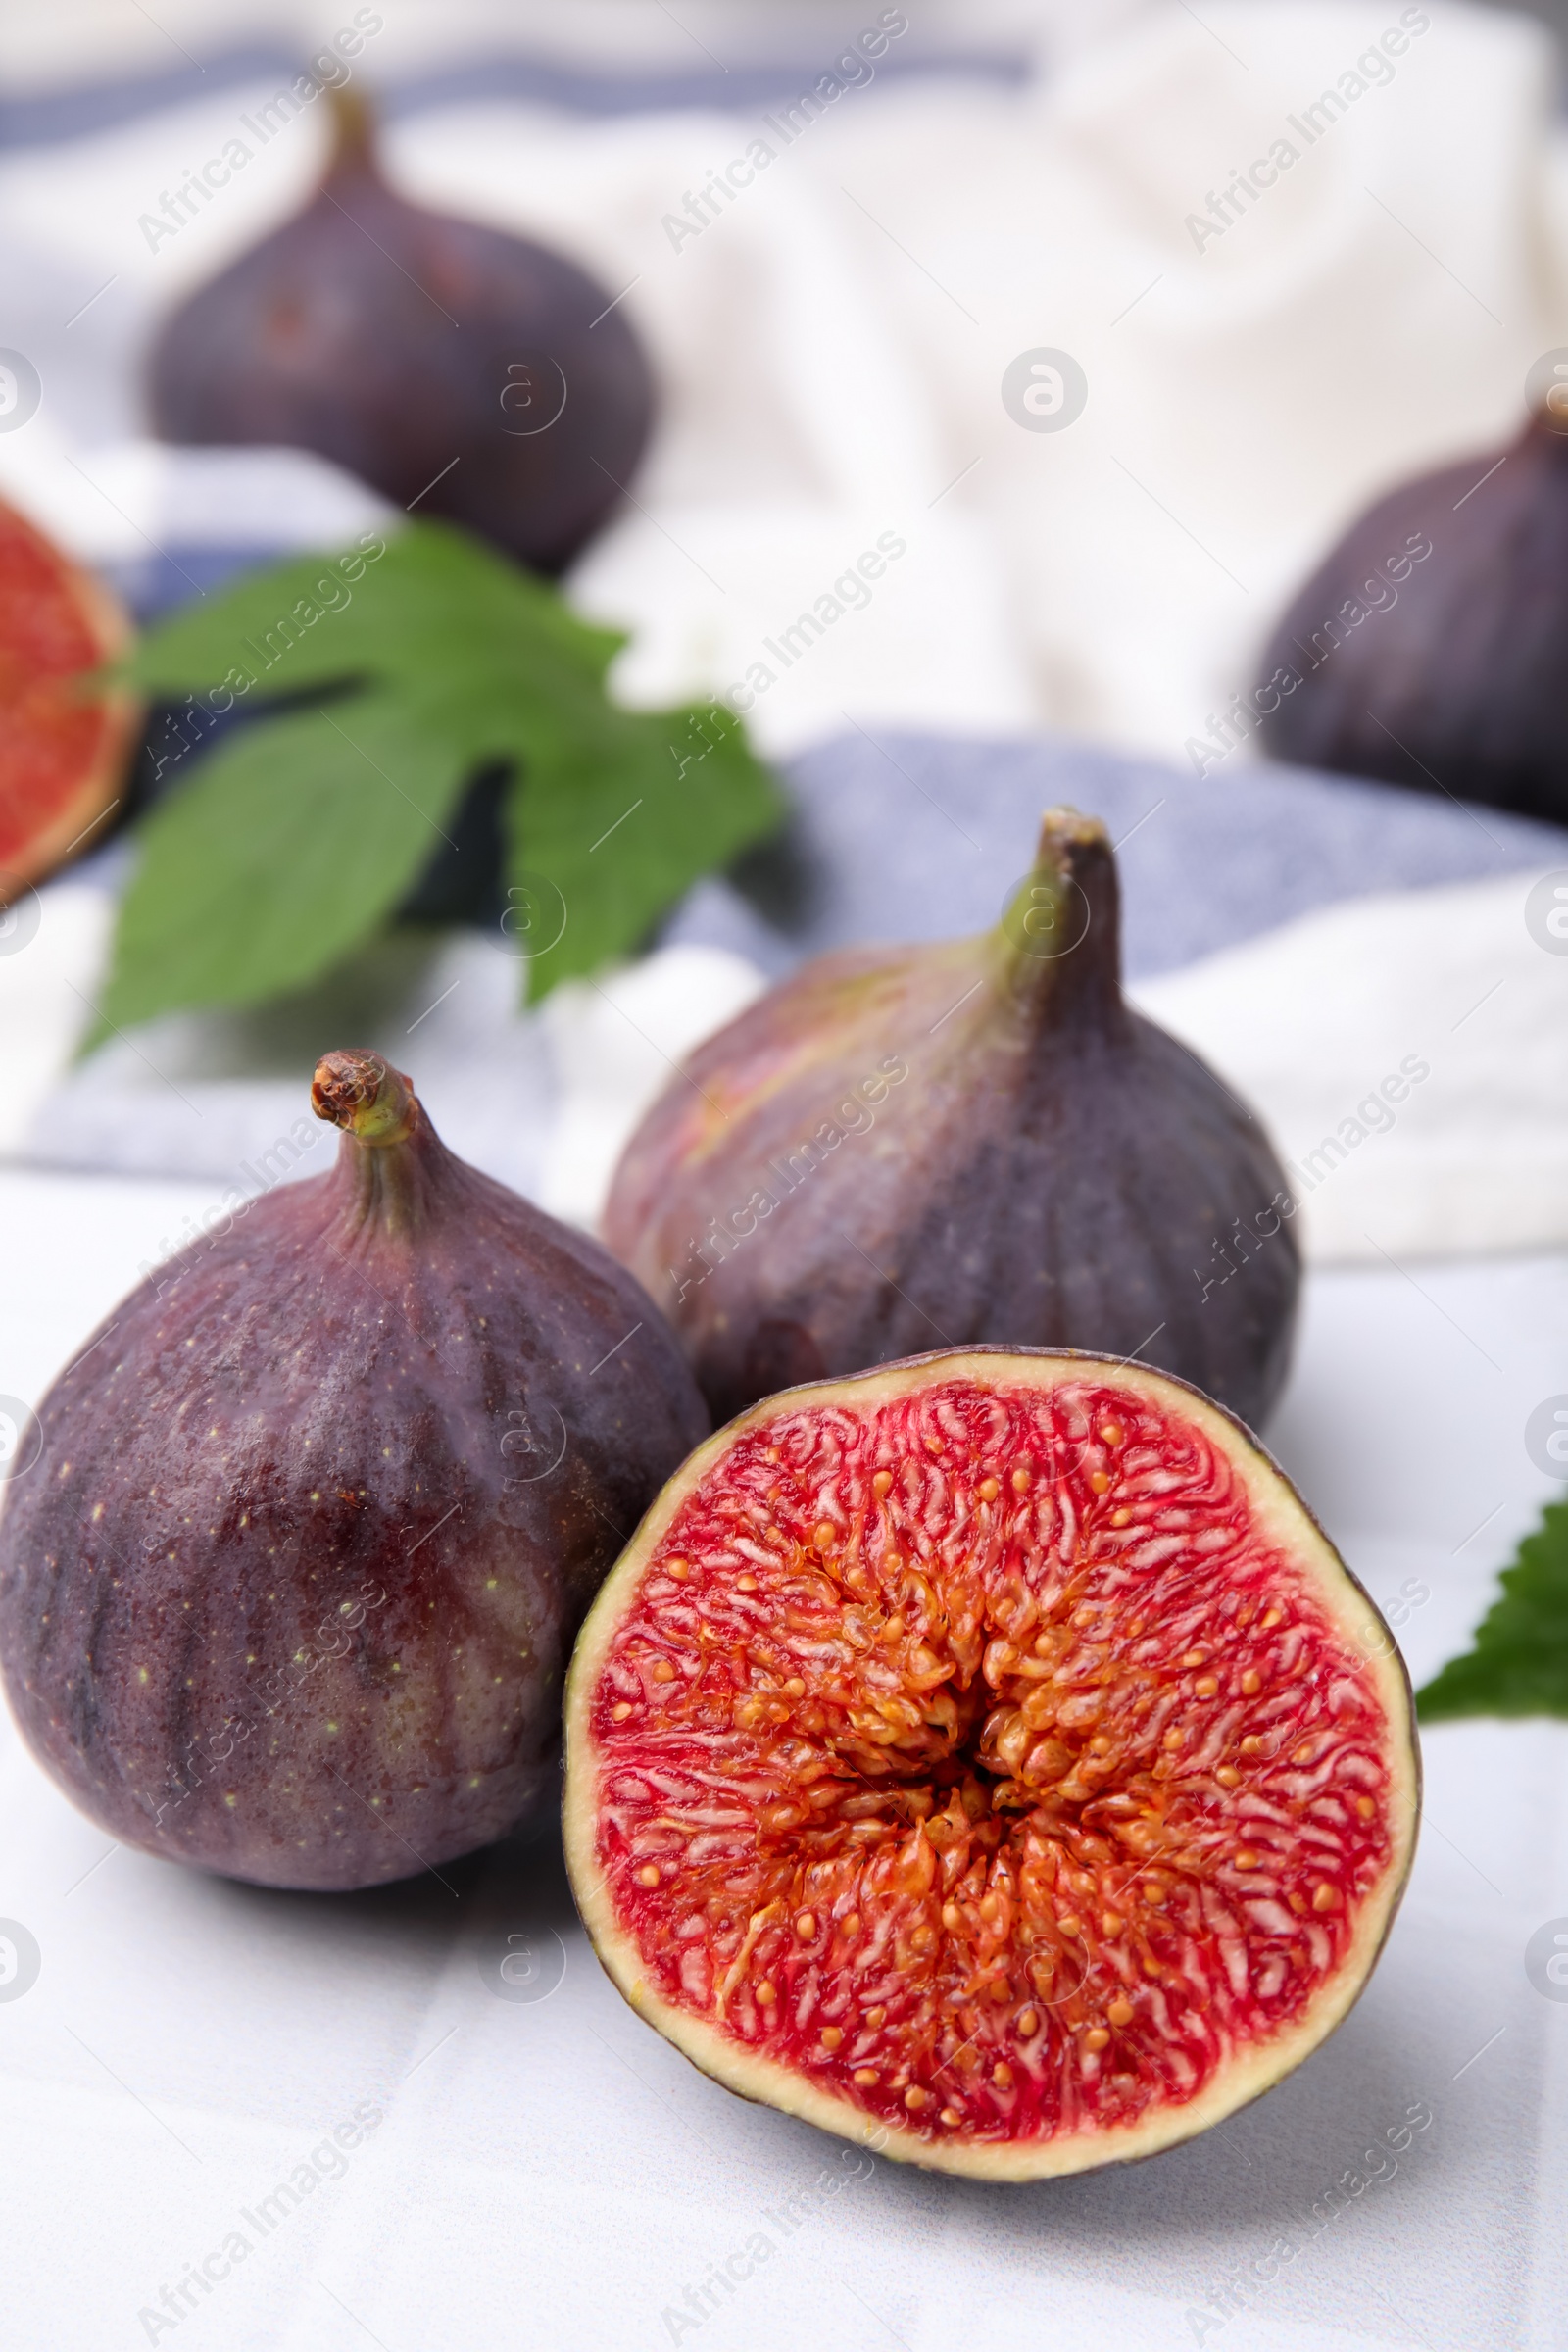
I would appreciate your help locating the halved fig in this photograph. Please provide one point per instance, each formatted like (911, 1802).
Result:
(65, 745)
(989, 1757)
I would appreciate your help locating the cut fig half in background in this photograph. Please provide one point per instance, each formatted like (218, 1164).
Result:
(65, 742)
(990, 1758)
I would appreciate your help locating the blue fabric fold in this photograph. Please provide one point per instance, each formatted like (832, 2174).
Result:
(914, 836)
(42, 118)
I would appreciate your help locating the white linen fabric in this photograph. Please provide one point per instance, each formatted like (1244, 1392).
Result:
(1408, 1054)
(831, 340)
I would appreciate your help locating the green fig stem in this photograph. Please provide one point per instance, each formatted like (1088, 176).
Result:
(352, 129)
(1060, 937)
(361, 1092)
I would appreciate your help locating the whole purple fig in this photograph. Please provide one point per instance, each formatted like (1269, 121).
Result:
(1430, 648)
(974, 1140)
(290, 1588)
(452, 366)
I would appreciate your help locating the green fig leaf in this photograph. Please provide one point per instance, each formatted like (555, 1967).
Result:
(1517, 1663)
(595, 825)
(283, 851)
(428, 656)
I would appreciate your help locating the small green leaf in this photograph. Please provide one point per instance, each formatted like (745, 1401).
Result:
(293, 842)
(461, 609)
(303, 833)
(618, 838)
(1518, 1661)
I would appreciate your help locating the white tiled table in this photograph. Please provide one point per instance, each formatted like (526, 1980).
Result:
(549, 2174)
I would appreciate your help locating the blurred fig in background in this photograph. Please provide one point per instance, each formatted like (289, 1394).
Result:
(1431, 647)
(64, 745)
(288, 1583)
(901, 1148)
(454, 369)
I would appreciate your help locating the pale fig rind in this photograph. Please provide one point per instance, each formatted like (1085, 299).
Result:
(291, 1590)
(1341, 1633)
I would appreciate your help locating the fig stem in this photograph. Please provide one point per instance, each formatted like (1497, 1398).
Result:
(360, 1092)
(1065, 831)
(1061, 937)
(352, 130)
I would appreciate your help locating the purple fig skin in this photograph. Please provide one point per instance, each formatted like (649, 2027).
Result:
(972, 1143)
(407, 346)
(1453, 679)
(290, 1591)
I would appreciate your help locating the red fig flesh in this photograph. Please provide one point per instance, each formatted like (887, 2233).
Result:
(64, 752)
(291, 1590)
(989, 1755)
(977, 1141)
